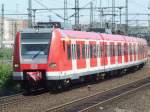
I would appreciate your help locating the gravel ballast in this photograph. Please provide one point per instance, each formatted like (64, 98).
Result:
(49, 100)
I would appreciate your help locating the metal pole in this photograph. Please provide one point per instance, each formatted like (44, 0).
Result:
(65, 12)
(113, 15)
(120, 16)
(77, 14)
(29, 13)
(100, 16)
(91, 15)
(2, 26)
(149, 16)
(34, 12)
(126, 18)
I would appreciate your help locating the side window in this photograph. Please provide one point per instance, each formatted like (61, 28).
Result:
(125, 49)
(69, 51)
(130, 47)
(64, 45)
(78, 51)
(119, 50)
(94, 51)
(108, 50)
(101, 50)
(97, 51)
(91, 50)
(87, 51)
(83, 51)
(105, 50)
(73, 51)
(86, 55)
(137, 49)
(112, 50)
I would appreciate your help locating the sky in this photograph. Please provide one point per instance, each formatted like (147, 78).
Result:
(20, 6)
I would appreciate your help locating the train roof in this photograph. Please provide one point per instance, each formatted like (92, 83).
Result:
(36, 30)
(99, 36)
(112, 37)
(81, 34)
(86, 35)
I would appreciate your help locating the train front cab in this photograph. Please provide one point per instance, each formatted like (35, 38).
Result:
(31, 53)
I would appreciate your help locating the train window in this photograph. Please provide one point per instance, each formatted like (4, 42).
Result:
(101, 51)
(69, 51)
(112, 50)
(64, 45)
(34, 47)
(130, 48)
(91, 51)
(108, 50)
(73, 51)
(83, 51)
(105, 50)
(78, 51)
(136, 49)
(94, 51)
(88, 51)
(119, 49)
(125, 49)
(97, 50)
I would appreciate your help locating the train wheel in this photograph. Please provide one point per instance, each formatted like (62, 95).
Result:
(102, 76)
(97, 77)
(66, 83)
(56, 85)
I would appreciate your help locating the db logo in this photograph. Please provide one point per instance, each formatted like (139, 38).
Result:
(34, 66)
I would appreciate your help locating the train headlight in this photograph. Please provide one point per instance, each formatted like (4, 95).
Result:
(16, 65)
(52, 65)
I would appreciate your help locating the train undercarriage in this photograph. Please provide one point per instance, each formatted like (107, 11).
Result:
(30, 84)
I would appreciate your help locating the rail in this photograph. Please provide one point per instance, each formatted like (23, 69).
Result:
(83, 104)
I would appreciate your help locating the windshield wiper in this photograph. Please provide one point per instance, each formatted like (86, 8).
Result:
(37, 53)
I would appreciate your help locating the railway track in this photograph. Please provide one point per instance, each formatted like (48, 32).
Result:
(77, 105)
(11, 97)
(90, 102)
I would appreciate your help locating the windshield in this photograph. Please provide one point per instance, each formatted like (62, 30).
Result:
(35, 46)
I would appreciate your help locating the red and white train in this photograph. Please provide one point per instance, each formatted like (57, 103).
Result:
(57, 57)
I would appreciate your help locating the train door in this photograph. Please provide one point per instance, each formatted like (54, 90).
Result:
(122, 51)
(139, 52)
(87, 55)
(68, 63)
(130, 52)
(119, 53)
(134, 52)
(125, 52)
(112, 53)
(143, 51)
(105, 54)
(80, 47)
(93, 55)
(102, 53)
(74, 56)
(98, 52)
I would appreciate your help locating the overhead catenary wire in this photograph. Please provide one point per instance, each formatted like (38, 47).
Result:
(48, 9)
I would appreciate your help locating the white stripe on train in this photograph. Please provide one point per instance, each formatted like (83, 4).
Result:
(71, 74)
